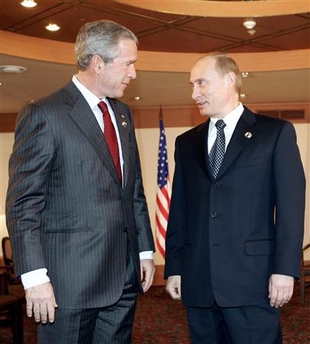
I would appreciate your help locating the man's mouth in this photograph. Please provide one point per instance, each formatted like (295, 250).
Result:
(200, 104)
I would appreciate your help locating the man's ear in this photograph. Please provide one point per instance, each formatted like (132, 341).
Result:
(96, 63)
(231, 79)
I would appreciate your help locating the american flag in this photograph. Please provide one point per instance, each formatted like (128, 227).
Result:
(163, 194)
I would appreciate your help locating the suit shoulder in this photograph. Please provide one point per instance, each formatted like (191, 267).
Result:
(52, 104)
(116, 103)
(193, 131)
(58, 95)
(272, 121)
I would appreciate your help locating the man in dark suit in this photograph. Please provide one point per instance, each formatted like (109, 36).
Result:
(234, 236)
(80, 232)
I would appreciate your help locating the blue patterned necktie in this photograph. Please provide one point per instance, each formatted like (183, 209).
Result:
(217, 152)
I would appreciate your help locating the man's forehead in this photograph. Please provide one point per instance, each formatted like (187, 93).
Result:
(199, 73)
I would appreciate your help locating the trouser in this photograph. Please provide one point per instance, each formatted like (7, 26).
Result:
(259, 324)
(107, 325)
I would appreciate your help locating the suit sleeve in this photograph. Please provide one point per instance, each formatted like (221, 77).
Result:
(29, 166)
(177, 220)
(289, 182)
(145, 238)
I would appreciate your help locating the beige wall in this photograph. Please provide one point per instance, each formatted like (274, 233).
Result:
(6, 142)
(148, 145)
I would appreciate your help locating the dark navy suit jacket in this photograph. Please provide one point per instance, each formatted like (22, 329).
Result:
(227, 236)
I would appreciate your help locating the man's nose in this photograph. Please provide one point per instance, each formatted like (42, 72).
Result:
(132, 72)
(195, 93)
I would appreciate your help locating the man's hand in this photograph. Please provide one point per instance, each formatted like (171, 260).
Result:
(281, 289)
(147, 273)
(173, 287)
(41, 303)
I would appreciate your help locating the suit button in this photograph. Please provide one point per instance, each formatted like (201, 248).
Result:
(215, 186)
(214, 214)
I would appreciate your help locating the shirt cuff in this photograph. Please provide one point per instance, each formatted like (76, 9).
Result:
(34, 278)
(146, 255)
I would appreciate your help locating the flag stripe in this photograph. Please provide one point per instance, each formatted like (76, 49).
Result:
(162, 207)
(163, 194)
(161, 223)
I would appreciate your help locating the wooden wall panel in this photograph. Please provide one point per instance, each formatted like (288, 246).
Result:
(7, 122)
(175, 116)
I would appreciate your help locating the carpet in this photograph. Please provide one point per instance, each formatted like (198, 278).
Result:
(160, 320)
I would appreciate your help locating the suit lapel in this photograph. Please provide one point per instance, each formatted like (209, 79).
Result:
(239, 139)
(84, 118)
(201, 146)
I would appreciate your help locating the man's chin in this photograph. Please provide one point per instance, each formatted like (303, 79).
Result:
(118, 94)
(203, 112)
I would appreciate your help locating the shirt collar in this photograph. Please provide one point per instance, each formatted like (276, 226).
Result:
(91, 98)
(231, 118)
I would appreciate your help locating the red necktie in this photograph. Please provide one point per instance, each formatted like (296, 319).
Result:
(110, 137)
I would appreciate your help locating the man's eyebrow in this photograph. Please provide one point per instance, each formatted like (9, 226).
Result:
(196, 80)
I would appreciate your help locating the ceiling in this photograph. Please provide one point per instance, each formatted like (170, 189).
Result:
(158, 32)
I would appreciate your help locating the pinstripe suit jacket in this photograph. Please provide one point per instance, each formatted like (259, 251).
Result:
(66, 209)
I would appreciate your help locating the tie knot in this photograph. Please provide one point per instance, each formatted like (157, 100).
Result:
(220, 124)
(103, 107)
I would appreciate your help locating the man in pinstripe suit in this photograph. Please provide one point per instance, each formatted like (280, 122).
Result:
(81, 237)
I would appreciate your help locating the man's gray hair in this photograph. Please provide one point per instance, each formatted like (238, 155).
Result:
(100, 38)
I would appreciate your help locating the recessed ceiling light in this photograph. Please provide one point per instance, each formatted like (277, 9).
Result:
(137, 98)
(243, 95)
(249, 24)
(245, 74)
(251, 32)
(52, 27)
(12, 69)
(28, 3)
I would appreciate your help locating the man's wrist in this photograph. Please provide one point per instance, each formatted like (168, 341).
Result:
(33, 278)
(146, 255)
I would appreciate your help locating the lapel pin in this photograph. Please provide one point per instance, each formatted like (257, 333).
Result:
(124, 123)
(248, 135)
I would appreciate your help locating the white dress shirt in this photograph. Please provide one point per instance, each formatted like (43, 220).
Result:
(230, 120)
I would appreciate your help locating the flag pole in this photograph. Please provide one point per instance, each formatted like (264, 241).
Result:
(160, 113)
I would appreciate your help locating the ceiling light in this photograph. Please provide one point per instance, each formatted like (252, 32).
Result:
(11, 69)
(243, 95)
(52, 27)
(251, 32)
(249, 24)
(245, 74)
(28, 3)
